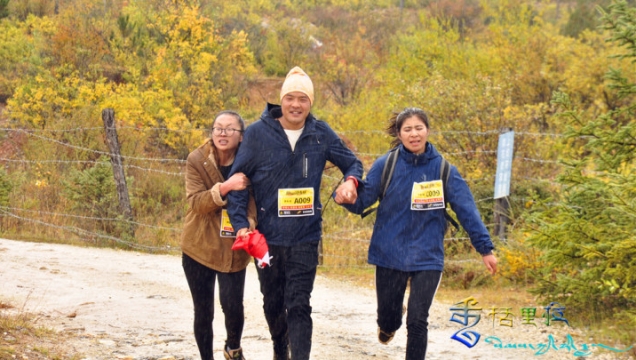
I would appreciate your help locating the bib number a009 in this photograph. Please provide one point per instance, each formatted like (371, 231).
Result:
(295, 202)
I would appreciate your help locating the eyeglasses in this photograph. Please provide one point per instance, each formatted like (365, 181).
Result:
(228, 131)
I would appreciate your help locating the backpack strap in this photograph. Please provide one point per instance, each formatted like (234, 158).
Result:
(444, 172)
(387, 174)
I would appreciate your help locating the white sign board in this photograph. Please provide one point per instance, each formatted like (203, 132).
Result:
(504, 164)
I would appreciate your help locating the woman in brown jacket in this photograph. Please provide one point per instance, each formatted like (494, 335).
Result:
(208, 236)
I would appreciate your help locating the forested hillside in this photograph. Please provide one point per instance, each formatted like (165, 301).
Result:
(559, 73)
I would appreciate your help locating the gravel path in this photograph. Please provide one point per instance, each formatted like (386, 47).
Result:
(128, 305)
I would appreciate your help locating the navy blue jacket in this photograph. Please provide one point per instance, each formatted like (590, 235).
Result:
(266, 158)
(413, 240)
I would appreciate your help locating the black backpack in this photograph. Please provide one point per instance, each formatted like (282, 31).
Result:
(387, 174)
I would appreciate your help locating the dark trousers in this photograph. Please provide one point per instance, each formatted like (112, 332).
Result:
(201, 281)
(286, 287)
(390, 288)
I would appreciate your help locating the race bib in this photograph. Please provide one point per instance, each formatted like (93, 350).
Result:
(295, 202)
(226, 226)
(427, 195)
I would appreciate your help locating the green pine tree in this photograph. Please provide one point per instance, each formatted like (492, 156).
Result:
(589, 236)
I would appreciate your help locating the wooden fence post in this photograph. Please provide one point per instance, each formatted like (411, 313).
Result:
(108, 116)
(502, 216)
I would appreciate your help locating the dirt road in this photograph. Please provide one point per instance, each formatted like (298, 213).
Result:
(128, 305)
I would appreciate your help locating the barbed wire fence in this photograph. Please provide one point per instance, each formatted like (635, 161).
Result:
(173, 168)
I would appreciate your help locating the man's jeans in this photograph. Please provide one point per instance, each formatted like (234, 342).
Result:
(286, 286)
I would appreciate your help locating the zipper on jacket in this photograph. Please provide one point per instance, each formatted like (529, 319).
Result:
(305, 165)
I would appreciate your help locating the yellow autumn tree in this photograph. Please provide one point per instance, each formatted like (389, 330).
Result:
(169, 69)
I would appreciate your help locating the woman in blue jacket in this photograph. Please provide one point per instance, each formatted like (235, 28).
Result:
(408, 235)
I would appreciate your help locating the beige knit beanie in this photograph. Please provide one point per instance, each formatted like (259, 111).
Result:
(298, 80)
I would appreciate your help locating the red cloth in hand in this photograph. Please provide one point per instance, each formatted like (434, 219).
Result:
(255, 245)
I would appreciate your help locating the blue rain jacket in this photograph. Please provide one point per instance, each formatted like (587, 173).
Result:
(266, 158)
(413, 240)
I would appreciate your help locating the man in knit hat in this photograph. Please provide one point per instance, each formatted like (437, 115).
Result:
(284, 154)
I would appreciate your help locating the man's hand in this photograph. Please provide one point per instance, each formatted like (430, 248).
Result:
(346, 193)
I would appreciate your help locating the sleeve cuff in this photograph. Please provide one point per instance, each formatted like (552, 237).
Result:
(216, 195)
(355, 181)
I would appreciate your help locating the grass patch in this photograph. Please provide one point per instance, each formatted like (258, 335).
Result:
(21, 338)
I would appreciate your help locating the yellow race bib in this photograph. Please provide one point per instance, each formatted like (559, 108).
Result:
(295, 202)
(427, 195)
(226, 226)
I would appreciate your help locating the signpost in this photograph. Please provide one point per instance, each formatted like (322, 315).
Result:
(502, 181)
